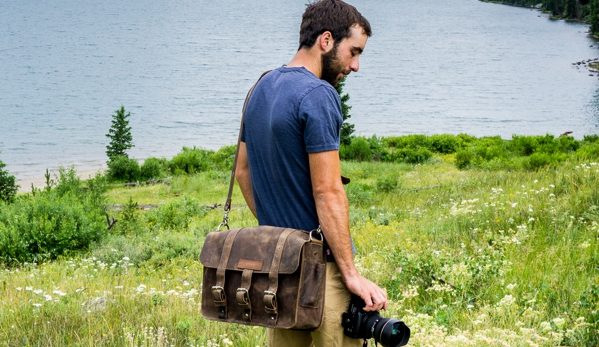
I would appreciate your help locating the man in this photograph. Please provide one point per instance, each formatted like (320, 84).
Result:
(288, 166)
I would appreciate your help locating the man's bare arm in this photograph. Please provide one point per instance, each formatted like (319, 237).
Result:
(333, 213)
(242, 174)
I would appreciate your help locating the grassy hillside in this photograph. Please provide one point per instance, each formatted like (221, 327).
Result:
(478, 257)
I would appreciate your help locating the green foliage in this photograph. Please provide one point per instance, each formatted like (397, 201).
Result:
(386, 184)
(8, 185)
(50, 223)
(176, 214)
(120, 135)
(347, 129)
(223, 158)
(358, 150)
(153, 168)
(191, 160)
(123, 168)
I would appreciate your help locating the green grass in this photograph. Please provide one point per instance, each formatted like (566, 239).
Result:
(468, 258)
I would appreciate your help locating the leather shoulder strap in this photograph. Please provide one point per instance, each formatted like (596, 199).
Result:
(227, 207)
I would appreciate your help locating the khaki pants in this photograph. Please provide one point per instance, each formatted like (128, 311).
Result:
(330, 333)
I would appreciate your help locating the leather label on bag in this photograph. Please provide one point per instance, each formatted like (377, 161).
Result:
(250, 264)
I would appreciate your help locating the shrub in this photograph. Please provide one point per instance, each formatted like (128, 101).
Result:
(223, 158)
(8, 186)
(49, 223)
(444, 144)
(538, 160)
(191, 160)
(176, 214)
(153, 168)
(589, 151)
(411, 156)
(464, 158)
(524, 145)
(590, 138)
(358, 150)
(386, 184)
(123, 169)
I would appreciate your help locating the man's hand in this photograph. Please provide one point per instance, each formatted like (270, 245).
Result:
(374, 296)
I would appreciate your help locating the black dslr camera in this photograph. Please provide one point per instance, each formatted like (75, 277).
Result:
(360, 324)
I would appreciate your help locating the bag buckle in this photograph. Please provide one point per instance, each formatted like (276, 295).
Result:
(243, 297)
(218, 293)
(270, 301)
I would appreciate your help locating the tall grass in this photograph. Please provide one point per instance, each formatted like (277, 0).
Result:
(468, 258)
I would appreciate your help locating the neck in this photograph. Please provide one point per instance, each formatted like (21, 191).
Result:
(310, 59)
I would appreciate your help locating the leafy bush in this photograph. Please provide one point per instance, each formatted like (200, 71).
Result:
(386, 184)
(590, 151)
(358, 150)
(444, 144)
(411, 156)
(123, 169)
(176, 214)
(464, 158)
(223, 158)
(8, 186)
(153, 168)
(538, 160)
(191, 160)
(49, 223)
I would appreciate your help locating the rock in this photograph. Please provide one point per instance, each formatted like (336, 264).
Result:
(539, 6)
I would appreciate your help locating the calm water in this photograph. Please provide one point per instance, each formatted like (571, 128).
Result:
(182, 69)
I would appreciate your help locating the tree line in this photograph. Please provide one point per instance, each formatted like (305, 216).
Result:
(584, 10)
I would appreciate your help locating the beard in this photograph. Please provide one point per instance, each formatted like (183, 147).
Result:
(331, 67)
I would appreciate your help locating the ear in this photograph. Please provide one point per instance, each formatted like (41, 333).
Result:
(325, 41)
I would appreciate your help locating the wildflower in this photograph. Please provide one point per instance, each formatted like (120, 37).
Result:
(19, 288)
(546, 326)
(531, 219)
(29, 288)
(511, 286)
(118, 287)
(47, 297)
(37, 305)
(515, 204)
(38, 291)
(559, 322)
(226, 341)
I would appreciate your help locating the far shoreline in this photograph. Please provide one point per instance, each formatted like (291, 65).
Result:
(40, 182)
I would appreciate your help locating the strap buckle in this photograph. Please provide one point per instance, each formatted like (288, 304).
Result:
(218, 293)
(270, 301)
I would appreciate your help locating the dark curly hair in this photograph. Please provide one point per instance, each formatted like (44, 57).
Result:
(335, 16)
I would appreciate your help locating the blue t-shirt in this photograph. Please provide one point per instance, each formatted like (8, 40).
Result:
(291, 113)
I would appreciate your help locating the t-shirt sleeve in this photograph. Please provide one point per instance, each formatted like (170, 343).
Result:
(320, 110)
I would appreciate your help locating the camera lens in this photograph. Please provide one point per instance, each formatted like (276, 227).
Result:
(391, 333)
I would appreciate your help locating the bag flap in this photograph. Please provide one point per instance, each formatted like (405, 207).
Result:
(254, 249)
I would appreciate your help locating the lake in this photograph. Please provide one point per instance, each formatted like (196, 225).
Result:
(182, 69)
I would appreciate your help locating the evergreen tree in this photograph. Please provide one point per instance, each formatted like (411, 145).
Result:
(8, 186)
(594, 16)
(347, 129)
(120, 135)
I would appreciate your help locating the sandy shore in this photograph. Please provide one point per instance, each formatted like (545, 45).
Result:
(40, 182)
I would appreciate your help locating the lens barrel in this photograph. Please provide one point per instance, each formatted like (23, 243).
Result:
(391, 332)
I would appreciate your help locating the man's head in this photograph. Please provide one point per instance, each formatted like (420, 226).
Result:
(342, 33)
(334, 16)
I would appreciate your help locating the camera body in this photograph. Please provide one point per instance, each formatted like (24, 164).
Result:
(360, 324)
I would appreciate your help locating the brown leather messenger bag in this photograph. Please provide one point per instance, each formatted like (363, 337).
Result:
(263, 275)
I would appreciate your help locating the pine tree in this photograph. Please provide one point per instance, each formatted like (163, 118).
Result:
(8, 186)
(120, 135)
(347, 129)
(594, 17)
